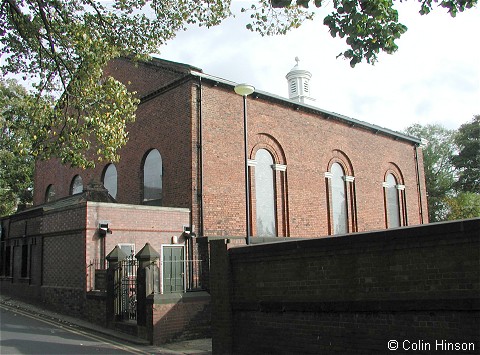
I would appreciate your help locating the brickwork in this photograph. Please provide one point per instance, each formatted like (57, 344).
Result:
(134, 225)
(71, 218)
(163, 123)
(67, 300)
(309, 142)
(178, 317)
(205, 173)
(95, 308)
(64, 261)
(62, 239)
(355, 333)
(220, 289)
(349, 294)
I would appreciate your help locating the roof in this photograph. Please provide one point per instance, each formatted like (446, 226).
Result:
(198, 73)
(93, 192)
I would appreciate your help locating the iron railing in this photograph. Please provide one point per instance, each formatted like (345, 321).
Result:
(194, 275)
(125, 289)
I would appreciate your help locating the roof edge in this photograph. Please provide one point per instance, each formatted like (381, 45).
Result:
(298, 105)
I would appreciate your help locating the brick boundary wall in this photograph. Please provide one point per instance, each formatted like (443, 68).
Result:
(418, 287)
(178, 317)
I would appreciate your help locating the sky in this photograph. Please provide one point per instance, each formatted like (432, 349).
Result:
(434, 77)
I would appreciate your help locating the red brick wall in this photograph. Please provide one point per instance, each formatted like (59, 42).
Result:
(349, 294)
(305, 142)
(177, 317)
(63, 256)
(164, 123)
(133, 225)
(309, 143)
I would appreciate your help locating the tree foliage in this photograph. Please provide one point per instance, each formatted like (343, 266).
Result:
(371, 26)
(76, 114)
(451, 163)
(439, 170)
(467, 161)
(464, 205)
(16, 170)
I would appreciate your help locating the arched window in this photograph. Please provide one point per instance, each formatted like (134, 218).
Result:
(50, 193)
(395, 201)
(110, 180)
(265, 194)
(339, 200)
(152, 179)
(393, 206)
(76, 186)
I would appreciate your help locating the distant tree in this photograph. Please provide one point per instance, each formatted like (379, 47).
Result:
(467, 161)
(16, 170)
(464, 205)
(440, 175)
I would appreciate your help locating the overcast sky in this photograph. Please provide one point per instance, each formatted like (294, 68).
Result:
(434, 77)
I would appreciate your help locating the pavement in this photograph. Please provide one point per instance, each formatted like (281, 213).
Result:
(192, 347)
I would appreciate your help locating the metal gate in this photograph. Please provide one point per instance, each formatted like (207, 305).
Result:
(125, 290)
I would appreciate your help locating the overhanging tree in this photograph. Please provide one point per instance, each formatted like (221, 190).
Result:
(64, 45)
(16, 170)
(440, 174)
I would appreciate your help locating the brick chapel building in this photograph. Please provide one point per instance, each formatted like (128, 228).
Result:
(312, 173)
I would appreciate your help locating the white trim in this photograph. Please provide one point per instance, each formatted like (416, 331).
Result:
(400, 187)
(386, 184)
(252, 162)
(349, 178)
(328, 175)
(279, 167)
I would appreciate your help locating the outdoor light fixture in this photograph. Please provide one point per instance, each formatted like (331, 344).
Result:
(244, 90)
(103, 229)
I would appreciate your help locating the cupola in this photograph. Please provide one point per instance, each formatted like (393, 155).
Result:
(299, 83)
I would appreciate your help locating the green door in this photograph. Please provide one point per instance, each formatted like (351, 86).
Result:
(173, 269)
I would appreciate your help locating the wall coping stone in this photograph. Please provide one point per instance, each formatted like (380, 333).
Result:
(96, 294)
(397, 238)
(136, 207)
(172, 298)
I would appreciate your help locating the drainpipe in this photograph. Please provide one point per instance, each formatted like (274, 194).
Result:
(199, 158)
(419, 189)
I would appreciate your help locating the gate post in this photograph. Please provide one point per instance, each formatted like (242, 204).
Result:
(145, 280)
(114, 257)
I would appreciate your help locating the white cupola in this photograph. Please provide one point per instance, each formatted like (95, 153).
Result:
(299, 83)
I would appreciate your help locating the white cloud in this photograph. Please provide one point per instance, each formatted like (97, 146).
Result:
(433, 78)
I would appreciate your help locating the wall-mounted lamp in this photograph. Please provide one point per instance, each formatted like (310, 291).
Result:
(188, 232)
(103, 229)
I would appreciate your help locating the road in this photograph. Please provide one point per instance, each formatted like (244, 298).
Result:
(24, 333)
